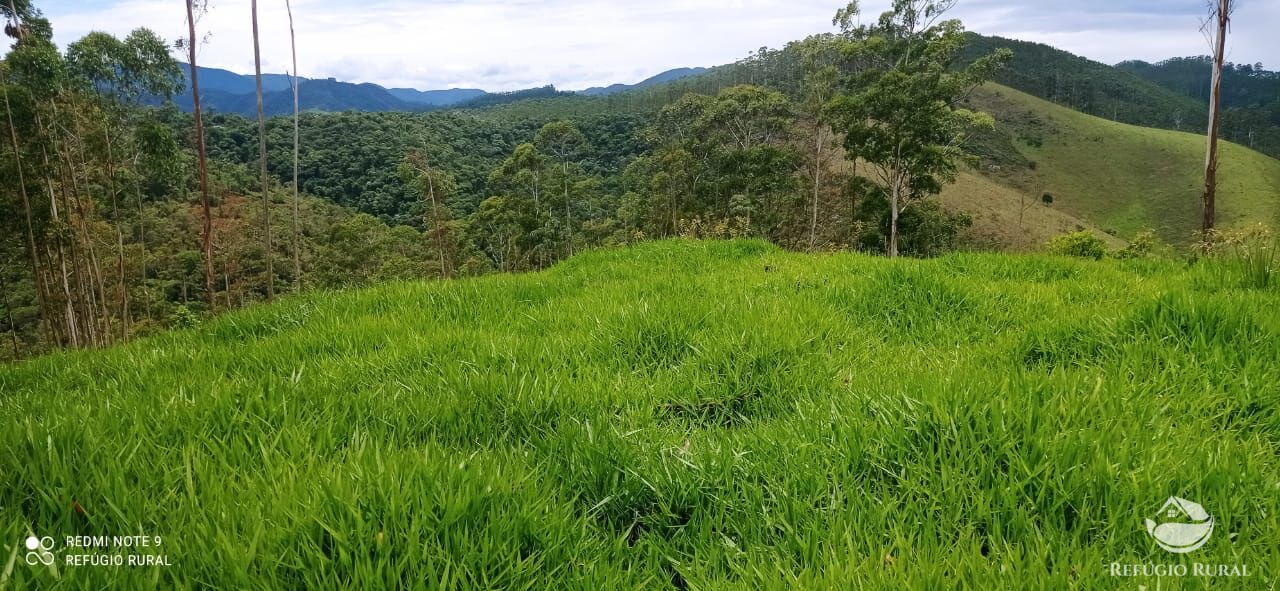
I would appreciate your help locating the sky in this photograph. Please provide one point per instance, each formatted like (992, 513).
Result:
(501, 45)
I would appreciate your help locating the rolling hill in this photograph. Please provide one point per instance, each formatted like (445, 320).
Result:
(668, 76)
(679, 414)
(1120, 177)
(1167, 95)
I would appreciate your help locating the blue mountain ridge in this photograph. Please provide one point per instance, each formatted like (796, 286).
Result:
(224, 91)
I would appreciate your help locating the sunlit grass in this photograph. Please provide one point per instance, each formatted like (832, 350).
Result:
(679, 414)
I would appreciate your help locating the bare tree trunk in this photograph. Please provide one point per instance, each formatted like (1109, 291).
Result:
(568, 213)
(435, 228)
(262, 157)
(142, 242)
(893, 218)
(1223, 16)
(206, 243)
(123, 289)
(297, 243)
(8, 308)
(817, 188)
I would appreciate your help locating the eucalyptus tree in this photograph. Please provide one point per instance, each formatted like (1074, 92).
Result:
(897, 102)
(15, 14)
(196, 8)
(120, 73)
(819, 58)
(262, 156)
(435, 185)
(297, 244)
(564, 142)
(1215, 30)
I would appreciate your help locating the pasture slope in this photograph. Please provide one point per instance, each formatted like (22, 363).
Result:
(678, 414)
(1117, 177)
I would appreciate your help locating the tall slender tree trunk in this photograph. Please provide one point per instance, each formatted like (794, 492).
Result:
(13, 328)
(206, 237)
(142, 243)
(297, 242)
(435, 228)
(123, 289)
(1215, 101)
(817, 187)
(262, 157)
(568, 212)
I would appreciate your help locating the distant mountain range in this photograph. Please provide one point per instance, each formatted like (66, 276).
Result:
(667, 76)
(224, 91)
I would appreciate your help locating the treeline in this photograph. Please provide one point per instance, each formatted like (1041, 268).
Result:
(1243, 85)
(1250, 93)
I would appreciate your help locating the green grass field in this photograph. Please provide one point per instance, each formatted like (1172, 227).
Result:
(700, 415)
(1126, 178)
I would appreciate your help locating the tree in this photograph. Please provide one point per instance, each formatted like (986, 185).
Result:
(262, 156)
(1215, 29)
(14, 29)
(435, 185)
(293, 44)
(197, 7)
(897, 105)
(563, 141)
(820, 56)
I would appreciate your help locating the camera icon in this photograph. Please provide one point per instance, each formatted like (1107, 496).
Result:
(40, 551)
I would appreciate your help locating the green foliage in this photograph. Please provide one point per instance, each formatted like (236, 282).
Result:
(353, 158)
(1081, 244)
(1144, 244)
(896, 109)
(702, 414)
(184, 317)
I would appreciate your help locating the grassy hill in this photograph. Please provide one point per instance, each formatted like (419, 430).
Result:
(674, 415)
(1122, 177)
(1009, 219)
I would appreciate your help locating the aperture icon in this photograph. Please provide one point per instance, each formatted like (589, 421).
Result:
(39, 551)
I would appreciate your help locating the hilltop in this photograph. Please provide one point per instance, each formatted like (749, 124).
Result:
(677, 414)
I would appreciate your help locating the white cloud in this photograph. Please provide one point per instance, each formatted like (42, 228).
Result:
(511, 44)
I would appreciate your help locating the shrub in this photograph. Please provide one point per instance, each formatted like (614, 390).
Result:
(1142, 246)
(1047, 198)
(1247, 257)
(1081, 244)
(184, 317)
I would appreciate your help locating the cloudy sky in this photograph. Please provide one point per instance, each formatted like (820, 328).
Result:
(511, 44)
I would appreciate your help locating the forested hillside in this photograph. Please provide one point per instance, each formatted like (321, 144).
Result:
(1168, 95)
(1251, 95)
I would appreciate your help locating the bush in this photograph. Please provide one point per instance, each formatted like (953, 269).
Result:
(1248, 258)
(184, 317)
(1081, 244)
(1142, 246)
